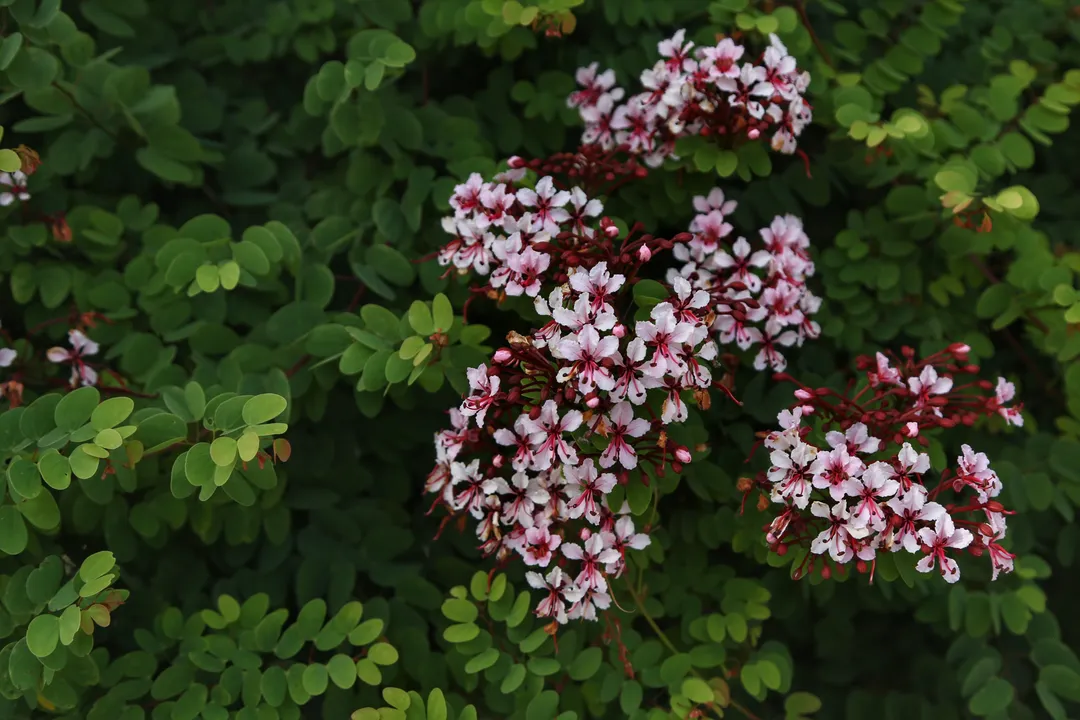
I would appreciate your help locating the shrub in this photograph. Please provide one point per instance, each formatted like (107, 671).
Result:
(741, 329)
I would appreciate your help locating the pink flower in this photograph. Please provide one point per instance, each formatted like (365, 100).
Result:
(586, 603)
(911, 507)
(622, 424)
(548, 203)
(939, 539)
(599, 284)
(587, 351)
(593, 557)
(540, 545)
(546, 434)
(628, 373)
(484, 390)
(856, 439)
(15, 189)
(81, 347)
(665, 335)
(519, 438)
(587, 490)
(526, 494)
(791, 472)
(741, 262)
(833, 469)
(885, 374)
(926, 384)
(874, 484)
(556, 585)
(838, 538)
(715, 200)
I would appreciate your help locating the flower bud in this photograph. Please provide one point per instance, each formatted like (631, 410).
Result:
(619, 331)
(644, 253)
(744, 484)
(754, 134)
(911, 429)
(611, 231)
(592, 401)
(497, 461)
(682, 454)
(826, 573)
(503, 355)
(803, 394)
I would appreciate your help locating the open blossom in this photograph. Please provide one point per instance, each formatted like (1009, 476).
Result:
(938, 540)
(12, 188)
(872, 491)
(707, 91)
(81, 348)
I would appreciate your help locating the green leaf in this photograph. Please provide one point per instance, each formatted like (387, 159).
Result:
(43, 634)
(96, 565)
(111, 412)
(263, 408)
(436, 705)
(223, 451)
(161, 165)
(315, 679)
(13, 533)
(460, 610)
(586, 664)
(461, 633)
(24, 478)
(544, 706)
(75, 408)
(995, 696)
(391, 264)
(397, 698)
(442, 312)
(383, 654)
(70, 621)
(697, 690)
(420, 318)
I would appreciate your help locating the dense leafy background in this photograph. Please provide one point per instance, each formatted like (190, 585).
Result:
(248, 185)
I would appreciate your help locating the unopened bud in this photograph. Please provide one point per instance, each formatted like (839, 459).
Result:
(744, 484)
(994, 506)
(826, 573)
(754, 134)
(911, 429)
(803, 394)
(611, 231)
(644, 253)
(986, 530)
(682, 454)
(781, 550)
(592, 400)
(619, 331)
(497, 461)
(503, 355)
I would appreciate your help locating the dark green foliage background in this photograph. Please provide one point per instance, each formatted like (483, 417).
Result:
(314, 144)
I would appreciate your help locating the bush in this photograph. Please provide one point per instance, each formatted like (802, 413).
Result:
(255, 251)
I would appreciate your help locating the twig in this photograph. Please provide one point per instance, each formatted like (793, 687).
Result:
(666, 641)
(800, 7)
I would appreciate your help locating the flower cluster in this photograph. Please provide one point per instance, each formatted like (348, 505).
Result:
(758, 293)
(702, 91)
(559, 419)
(864, 490)
(524, 239)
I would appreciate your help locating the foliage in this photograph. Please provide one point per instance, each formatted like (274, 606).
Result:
(228, 344)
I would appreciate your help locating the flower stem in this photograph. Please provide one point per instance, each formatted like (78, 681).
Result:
(666, 641)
